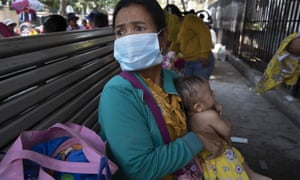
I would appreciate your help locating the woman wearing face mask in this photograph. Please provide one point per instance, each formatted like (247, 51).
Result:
(134, 139)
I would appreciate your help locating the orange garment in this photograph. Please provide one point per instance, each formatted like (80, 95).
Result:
(171, 111)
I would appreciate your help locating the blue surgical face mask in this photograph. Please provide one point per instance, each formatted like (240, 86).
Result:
(137, 51)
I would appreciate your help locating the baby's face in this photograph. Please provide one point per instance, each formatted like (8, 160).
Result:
(208, 96)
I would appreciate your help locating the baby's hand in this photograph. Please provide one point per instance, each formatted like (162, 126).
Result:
(218, 107)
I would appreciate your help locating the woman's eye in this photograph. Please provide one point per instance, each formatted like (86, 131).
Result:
(119, 32)
(140, 29)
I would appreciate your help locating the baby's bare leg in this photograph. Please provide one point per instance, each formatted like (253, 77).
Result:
(253, 175)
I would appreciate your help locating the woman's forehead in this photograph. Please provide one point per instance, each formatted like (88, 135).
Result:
(133, 13)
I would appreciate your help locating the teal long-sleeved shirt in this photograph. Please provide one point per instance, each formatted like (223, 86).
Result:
(134, 140)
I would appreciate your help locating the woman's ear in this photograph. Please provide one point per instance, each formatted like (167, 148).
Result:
(163, 39)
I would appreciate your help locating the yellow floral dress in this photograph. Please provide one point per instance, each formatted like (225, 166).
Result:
(226, 166)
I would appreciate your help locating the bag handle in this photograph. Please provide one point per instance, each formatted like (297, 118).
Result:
(57, 165)
(151, 104)
(104, 166)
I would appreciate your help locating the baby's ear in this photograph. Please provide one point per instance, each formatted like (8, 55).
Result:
(198, 107)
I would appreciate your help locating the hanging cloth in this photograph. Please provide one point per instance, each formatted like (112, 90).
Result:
(284, 67)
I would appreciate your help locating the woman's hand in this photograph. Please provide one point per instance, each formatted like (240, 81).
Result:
(213, 143)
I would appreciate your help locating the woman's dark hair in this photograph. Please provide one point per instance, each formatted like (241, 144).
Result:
(151, 6)
(171, 8)
(55, 23)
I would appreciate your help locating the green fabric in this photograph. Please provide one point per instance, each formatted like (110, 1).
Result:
(134, 140)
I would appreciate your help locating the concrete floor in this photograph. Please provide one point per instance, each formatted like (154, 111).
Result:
(273, 139)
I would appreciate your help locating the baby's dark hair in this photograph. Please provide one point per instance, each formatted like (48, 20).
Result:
(189, 90)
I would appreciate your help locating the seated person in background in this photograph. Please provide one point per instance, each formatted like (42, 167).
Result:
(55, 23)
(203, 116)
(85, 24)
(97, 19)
(4, 31)
(11, 26)
(72, 22)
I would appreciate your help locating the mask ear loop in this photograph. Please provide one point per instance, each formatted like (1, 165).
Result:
(162, 50)
(160, 31)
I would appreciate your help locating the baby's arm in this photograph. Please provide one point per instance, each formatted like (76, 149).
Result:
(211, 121)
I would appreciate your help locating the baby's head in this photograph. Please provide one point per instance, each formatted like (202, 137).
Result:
(195, 93)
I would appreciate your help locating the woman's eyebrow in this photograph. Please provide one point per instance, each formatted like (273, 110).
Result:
(119, 25)
(133, 23)
(137, 23)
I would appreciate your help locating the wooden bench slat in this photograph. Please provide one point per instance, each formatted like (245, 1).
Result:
(21, 45)
(81, 116)
(76, 104)
(15, 63)
(90, 122)
(32, 78)
(16, 106)
(48, 108)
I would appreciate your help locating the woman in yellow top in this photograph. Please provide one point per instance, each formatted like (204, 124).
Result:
(195, 43)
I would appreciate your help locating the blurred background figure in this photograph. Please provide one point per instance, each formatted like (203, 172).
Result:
(72, 22)
(194, 42)
(207, 19)
(97, 19)
(4, 31)
(27, 29)
(11, 25)
(85, 24)
(55, 23)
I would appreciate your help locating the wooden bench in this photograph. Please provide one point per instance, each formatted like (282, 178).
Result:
(53, 78)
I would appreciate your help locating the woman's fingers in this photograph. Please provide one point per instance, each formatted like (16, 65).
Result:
(213, 143)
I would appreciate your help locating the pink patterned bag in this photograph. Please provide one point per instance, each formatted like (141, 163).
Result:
(11, 166)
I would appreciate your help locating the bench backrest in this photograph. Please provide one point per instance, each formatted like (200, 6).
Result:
(53, 78)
